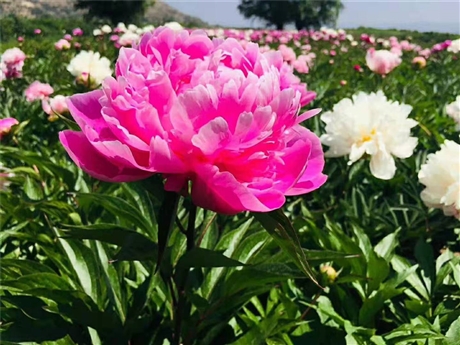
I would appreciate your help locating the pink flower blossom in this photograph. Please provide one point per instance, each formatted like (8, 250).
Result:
(381, 61)
(357, 68)
(287, 52)
(57, 104)
(419, 61)
(62, 44)
(37, 31)
(11, 63)
(77, 32)
(38, 90)
(211, 112)
(20, 39)
(6, 124)
(68, 37)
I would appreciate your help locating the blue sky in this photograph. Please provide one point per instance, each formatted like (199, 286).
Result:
(433, 15)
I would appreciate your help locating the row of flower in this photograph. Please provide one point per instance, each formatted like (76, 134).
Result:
(367, 124)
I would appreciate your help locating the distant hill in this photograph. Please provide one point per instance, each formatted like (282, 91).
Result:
(156, 14)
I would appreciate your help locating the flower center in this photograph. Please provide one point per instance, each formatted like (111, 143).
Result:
(368, 137)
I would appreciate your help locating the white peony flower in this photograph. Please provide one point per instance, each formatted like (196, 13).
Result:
(441, 176)
(454, 46)
(90, 64)
(97, 32)
(453, 110)
(148, 28)
(106, 29)
(370, 124)
(174, 26)
(128, 38)
(132, 27)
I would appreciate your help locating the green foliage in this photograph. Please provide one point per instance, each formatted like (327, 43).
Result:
(113, 10)
(87, 262)
(303, 13)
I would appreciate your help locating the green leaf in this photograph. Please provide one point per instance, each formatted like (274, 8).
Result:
(134, 246)
(201, 257)
(13, 268)
(374, 304)
(166, 219)
(87, 268)
(42, 280)
(282, 231)
(118, 207)
(32, 189)
(453, 333)
(425, 258)
(385, 248)
(259, 275)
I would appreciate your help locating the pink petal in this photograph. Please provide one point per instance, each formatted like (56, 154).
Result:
(95, 164)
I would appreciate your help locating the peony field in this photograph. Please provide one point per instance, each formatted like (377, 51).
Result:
(183, 186)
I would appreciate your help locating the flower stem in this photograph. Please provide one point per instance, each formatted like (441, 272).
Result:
(183, 306)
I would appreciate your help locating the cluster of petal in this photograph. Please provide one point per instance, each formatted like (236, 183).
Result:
(62, 44)
(11, 63)
(419, 61)
(441, 176)
(38, 91)
(90, 66)
(6, 124)
(453, 110)
(454, 46)
(207, 111)
(55, 105)
(370, 124)
(382, 61)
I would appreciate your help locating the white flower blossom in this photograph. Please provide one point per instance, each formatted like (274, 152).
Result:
(370, 124)
(128, 38)
(453, 110)
(441, 176)
(106, 29)
(174, 26)
(90, 64)
(454, 46)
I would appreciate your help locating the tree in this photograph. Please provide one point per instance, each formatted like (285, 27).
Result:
(277, 13)
(114, 10)
(303, 13)
(317, 13)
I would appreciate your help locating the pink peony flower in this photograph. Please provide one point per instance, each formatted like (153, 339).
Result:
(6, 124)
(68, 37)
(62, 44)
(38, 90)
(37, 31)
(419, 61)
(57, 104)
(77, 32)
(381, 61)
(211, 112)
(20, 39)
(11, 63)
(287, 52)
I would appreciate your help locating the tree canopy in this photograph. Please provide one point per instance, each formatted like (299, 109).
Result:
(303, 13)
(114, 10)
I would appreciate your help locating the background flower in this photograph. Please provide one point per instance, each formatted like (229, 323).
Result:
(90, 64)
(382, 61)
(441, 176)
(370, 124)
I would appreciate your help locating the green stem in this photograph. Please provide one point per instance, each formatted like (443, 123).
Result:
(183, 306)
